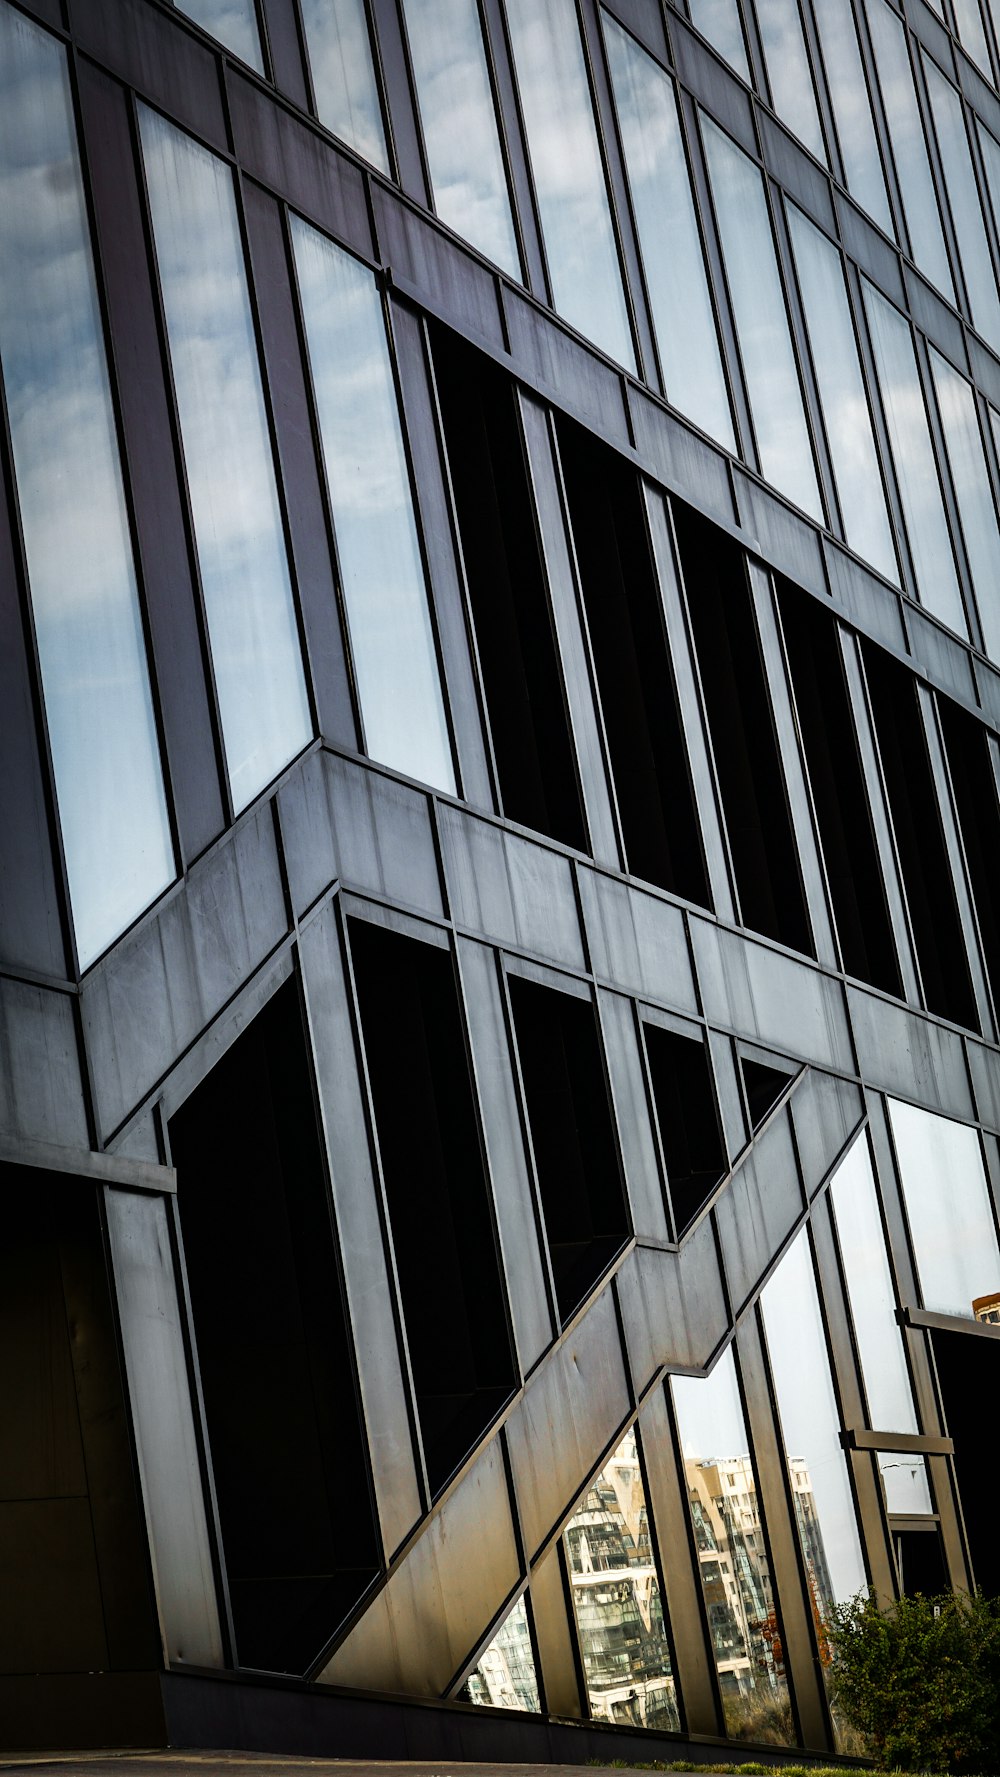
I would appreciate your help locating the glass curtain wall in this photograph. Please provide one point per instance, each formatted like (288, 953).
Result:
(504, 1676)
(909, 145)
(948, 1207)
(956, 400)
(852, 109)
(966, 208)
(719, 21)
(74, 522)
(788, 72)
(233, 22)
(345, 88)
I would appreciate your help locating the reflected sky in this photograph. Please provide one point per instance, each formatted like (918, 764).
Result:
(232, 22)
(380, 567)
(963, 441)
(709, 1413)
(916, 463)
(256, 655)
(970, 229)
(569, 176)
(872, 1299)
(852, 109)
(83, 590)
(788, 71)
(686, 337)
(972, 35)
(807, 1408)
(904, 1477)
(343, 75)
(719, 21)
(842, 394)
(460, 126)
(761, 321)
(923, 218)
(948, 1208)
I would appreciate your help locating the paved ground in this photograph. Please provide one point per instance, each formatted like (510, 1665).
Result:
(262, 1764)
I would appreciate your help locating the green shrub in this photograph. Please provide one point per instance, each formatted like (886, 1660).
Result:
(920, 1679)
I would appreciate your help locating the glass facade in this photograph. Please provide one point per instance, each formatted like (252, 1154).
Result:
(500, 703)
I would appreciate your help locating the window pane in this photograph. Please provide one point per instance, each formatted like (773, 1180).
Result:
(719, 21)
(916, 465)
(504, 1677)
(905, 1484)
(256, 656)
(817, 1467)
(842, 394)
(732, 1555)
(761, 321)
(343, 75)
(95, 677)
(460, 126)
(380, 567)
(233, 22)
(923, 217)
(977, 266)
(852, 109)
(973, 37)
(572, 195)
(668, 235)
(964, 444)
(872, 1299)
(788, 71)
(616, 1599)
(948, 1208)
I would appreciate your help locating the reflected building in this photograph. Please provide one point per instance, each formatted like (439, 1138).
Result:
(499, 919)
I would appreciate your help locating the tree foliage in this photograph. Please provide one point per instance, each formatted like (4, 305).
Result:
(920, 1679)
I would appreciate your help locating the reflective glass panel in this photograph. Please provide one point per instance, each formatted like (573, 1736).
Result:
(256, 656)
(761, 321)
(916, 465)
(668, 235)
(842, 394)
(232, 22)
(871, 1295)
(380, 567)
(948, 1208)
(807, 1408)
(972, 35)
(504, 1677)
(460, 125)
(970, 477)
(732, 1555)
(616, 1599)
(343, 75)
(970, 229)
(95, 678)
(916, 183)
(788, 71)
(852, 109)
(719, 21)
(580, 245)
(904, 1483)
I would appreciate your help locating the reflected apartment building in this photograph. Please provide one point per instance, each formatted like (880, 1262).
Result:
(499, 918)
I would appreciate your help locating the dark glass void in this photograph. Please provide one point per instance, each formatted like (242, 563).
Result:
(569, 1116)
(517, 650)
(763, 1086)
(687, 1118)
(742, 732)
(968, 1368)
(923, 859)
(634, 672)
(838, 787)
(438, 1196)
(919, 1561)
(274, 1350)
(976, 792)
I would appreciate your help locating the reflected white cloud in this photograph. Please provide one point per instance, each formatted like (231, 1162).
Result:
(719, 21)
(343, 75)
(948, 1208)
(232, 22)
(95, 678)
(852, 109)
(788, 71)
(923, 218)
(869, 1286)
(970, 475)
(569, 176)
(256, 655)
(379, 555)
(460, 126)
(966, 210)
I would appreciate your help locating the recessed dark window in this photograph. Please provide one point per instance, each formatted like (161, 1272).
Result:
(454, 1309)
(525, 702)
(919, 1561)
(765, 860)
(966, 1365)
(274, 1350)
(634, 671)
(839, 796)
(763, 1086)
(976, 798)
(687, 1118)
(576, 1157)
(923, 859)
